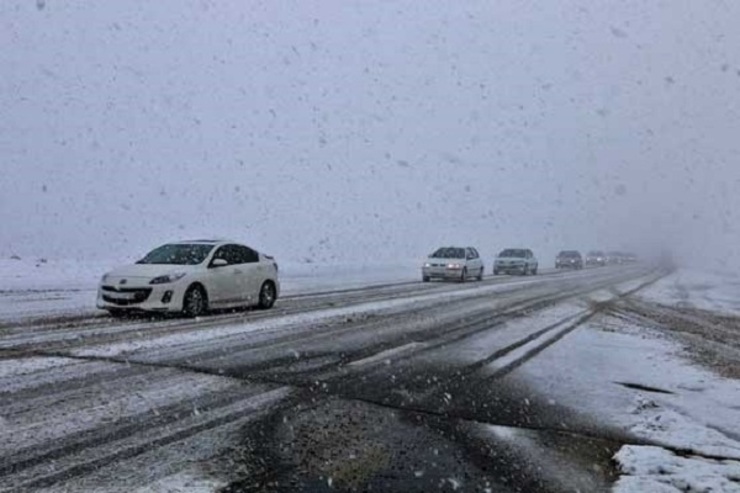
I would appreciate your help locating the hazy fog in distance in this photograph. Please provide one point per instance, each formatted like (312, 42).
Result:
(369, 131)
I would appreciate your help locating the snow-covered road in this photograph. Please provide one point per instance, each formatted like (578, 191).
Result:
(530, 384)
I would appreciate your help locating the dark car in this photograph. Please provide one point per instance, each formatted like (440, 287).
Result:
(569, 259)
(596, 257)
(614, 258)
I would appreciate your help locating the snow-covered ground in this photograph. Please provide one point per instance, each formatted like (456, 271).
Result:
(36, 287)
(634, 378)
(693, 288)
(643, 380)
(637, 380)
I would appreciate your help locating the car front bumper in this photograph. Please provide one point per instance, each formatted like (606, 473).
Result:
(508, 268)
(151, 298)
(441, 272)
(568, 265)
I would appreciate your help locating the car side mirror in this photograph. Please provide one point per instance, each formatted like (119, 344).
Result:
(219, 262)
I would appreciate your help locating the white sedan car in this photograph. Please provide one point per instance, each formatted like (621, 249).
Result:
(456, 263)
(192, 277)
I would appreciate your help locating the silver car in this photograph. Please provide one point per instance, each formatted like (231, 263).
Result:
(516, 261)
(453, 263)
(595, 257)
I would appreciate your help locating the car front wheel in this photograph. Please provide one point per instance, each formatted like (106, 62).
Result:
(195, 302)
(268, 295)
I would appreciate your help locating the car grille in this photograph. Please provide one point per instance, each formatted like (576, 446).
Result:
(125, 296)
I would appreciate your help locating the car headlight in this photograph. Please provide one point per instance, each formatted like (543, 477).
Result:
(167, 278)
(427, 264)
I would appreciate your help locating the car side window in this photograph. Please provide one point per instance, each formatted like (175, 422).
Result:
(246, 255)
(229, 253)
(222, 254)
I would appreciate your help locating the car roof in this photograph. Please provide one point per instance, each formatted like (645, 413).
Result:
(523, 250)
(210, 242)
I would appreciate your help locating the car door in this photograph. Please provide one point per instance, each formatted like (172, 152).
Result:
(224, 280)
(469, 262)
(474, 262)
(478, 262)
(252, 274)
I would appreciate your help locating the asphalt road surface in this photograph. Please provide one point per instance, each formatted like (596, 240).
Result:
(404, 387)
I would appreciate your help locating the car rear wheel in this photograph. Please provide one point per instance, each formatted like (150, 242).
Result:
(464, 275)
(195, 302)
(534, 271)
(268, 295)
(480, 274)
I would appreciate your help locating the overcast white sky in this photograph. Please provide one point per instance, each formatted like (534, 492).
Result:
(356, 131)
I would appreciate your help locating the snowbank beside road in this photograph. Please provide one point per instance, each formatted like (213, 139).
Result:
(658, 470)
(692, 288)
(642, 381)
(23, 274)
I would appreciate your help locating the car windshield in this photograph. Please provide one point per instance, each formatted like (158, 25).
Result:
(569, 254)
(449, 252)
(178, 254)
(513, 252)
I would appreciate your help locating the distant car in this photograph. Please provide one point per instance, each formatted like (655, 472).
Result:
(615, 258)
(191, 277)
(454, 263)
(569, 259)
(515, 261)
(595, 258)
(630, 258)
